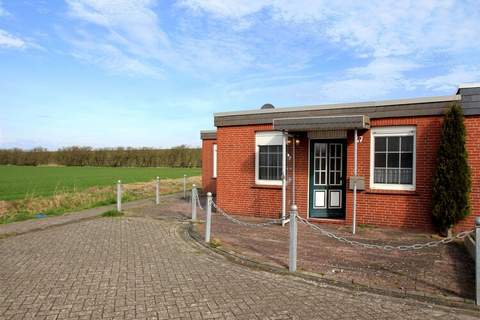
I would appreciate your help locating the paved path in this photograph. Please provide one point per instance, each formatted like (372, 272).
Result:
(43, 223)
(139, 268)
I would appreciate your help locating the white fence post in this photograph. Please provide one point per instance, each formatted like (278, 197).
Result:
(209, 217)
(194, 203)
(477, 261)
(119, 196)
(157, 191)
(184, 186)
(292, 253)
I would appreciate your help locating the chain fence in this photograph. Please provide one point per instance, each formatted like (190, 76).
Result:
(366, 245)
(197, 199)
(416, 246)
(234, 220)
(246, 224)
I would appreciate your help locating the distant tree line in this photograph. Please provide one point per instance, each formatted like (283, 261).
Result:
(181, 156)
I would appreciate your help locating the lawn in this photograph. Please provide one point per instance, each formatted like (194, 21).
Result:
(17, 182)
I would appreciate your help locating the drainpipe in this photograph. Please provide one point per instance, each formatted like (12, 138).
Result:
(284, 176)
(354, 221)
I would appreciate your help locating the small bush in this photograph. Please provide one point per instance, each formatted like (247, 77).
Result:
(215, 243)
(112, 213)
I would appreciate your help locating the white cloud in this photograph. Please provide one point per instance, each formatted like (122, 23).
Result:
(111, 58)
(377, 28)
(452, 78)
(127, 20)
(8, 40)
(131, 35)
(386, 44)
(399, 44)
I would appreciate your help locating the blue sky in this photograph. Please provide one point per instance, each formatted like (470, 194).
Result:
(151, 73)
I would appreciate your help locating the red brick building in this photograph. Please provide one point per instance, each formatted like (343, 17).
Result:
(259, 162)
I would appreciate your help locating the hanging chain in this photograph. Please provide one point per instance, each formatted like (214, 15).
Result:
(417, 246)
(197, 198)
(246, 224)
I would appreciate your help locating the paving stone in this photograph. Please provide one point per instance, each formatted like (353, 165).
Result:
(140, 268)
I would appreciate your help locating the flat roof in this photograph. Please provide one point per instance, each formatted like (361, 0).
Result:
(344, 105)
(425, 106)
(208, 134)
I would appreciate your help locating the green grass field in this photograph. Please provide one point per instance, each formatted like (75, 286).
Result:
(17, 182)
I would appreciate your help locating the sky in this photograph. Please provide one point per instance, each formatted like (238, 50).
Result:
(107, 73)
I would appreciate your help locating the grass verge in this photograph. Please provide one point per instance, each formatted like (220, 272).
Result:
(64, 202)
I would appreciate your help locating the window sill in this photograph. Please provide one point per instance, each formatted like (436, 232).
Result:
(266, 186)
(399, 192)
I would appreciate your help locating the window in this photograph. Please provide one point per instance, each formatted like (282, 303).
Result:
(393, 158)
(268, 158)
(214, 161)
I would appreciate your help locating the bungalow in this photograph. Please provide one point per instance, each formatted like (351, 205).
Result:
(369, 161)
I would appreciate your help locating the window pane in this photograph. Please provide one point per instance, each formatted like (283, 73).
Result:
(406, 176)
(407, 160)
(380, 160)
(278, 175)
(262, 160)
(323, 149)
(380, 175)
(272, 173)
(317, 177)
(407, 143)
(262, 173)
(317, 164)
(380, 144)
(393, 143)
(393, 176)
(317, 150)
(332, 178)
(393, 160)
(323, 176)
(270, 162)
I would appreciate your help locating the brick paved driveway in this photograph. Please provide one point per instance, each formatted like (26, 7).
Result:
(143, 268)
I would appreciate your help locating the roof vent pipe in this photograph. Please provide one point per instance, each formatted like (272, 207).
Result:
(267, 106)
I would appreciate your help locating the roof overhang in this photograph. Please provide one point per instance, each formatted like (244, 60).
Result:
(322, 123)
(208, 135)
(429, 106)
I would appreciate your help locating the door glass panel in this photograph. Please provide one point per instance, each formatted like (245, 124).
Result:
(320, 163)
(335, 170)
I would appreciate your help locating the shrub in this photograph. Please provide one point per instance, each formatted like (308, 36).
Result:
(112, 213)
(452, 179)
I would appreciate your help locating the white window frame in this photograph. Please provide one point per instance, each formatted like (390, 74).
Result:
(214, 174)
(390, 132)
(265, 138)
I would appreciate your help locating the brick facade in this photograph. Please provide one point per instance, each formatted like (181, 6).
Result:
(238, 194)
(209, 183)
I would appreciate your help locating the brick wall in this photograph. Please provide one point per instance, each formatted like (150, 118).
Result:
(238, 194)
(209, 184)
